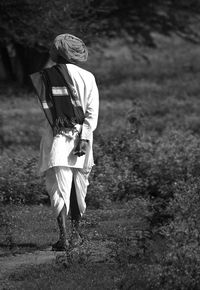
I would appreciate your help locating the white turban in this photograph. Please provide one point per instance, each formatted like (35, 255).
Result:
(67, 47)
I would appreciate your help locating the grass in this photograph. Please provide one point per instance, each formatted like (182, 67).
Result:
(36, 225)
(104, 277)
(29, 228)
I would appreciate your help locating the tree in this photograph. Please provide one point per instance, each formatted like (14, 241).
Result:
(32, 24)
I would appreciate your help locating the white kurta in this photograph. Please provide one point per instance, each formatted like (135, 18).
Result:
(58, 151)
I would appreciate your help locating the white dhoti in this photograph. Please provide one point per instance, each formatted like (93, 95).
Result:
(59, 183)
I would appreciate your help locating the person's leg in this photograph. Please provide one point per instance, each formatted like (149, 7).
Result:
(56, 198)
(75, 238)
(62, 243)
(81, 183)
(58, 185)
(61, 219)
(74, 209)
(64, 177)
(77, 202)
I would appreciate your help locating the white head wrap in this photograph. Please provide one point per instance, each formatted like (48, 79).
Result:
(67, 47)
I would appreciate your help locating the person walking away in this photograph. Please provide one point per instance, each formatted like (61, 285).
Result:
(69, 98)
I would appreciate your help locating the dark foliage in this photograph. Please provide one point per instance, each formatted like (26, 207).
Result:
(30, 26)
(35, 23)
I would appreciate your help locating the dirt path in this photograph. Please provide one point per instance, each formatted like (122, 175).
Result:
(93, 251)
(9, 263)
(26, 260)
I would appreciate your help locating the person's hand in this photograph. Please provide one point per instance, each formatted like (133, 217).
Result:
(81, 147)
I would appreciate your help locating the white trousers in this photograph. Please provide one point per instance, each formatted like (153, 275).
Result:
(59, 183)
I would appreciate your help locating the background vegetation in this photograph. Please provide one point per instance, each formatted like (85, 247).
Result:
(28, 27)
(147, 155)
(144, 191)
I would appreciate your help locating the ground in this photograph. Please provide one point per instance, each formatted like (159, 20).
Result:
(28, 262)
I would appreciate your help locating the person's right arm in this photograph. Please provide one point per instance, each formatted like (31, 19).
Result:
(91, 113)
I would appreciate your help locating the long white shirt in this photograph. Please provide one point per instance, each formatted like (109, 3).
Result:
(58, 151)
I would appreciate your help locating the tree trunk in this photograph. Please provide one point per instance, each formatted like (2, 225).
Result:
(7, 63)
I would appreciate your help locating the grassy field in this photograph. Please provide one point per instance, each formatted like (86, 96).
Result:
(144, 192)
(32, 228)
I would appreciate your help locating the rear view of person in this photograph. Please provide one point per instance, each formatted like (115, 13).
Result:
(69, 99)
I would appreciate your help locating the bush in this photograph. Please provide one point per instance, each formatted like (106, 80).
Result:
(19, 181)
(181, 268)
(178, 267)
